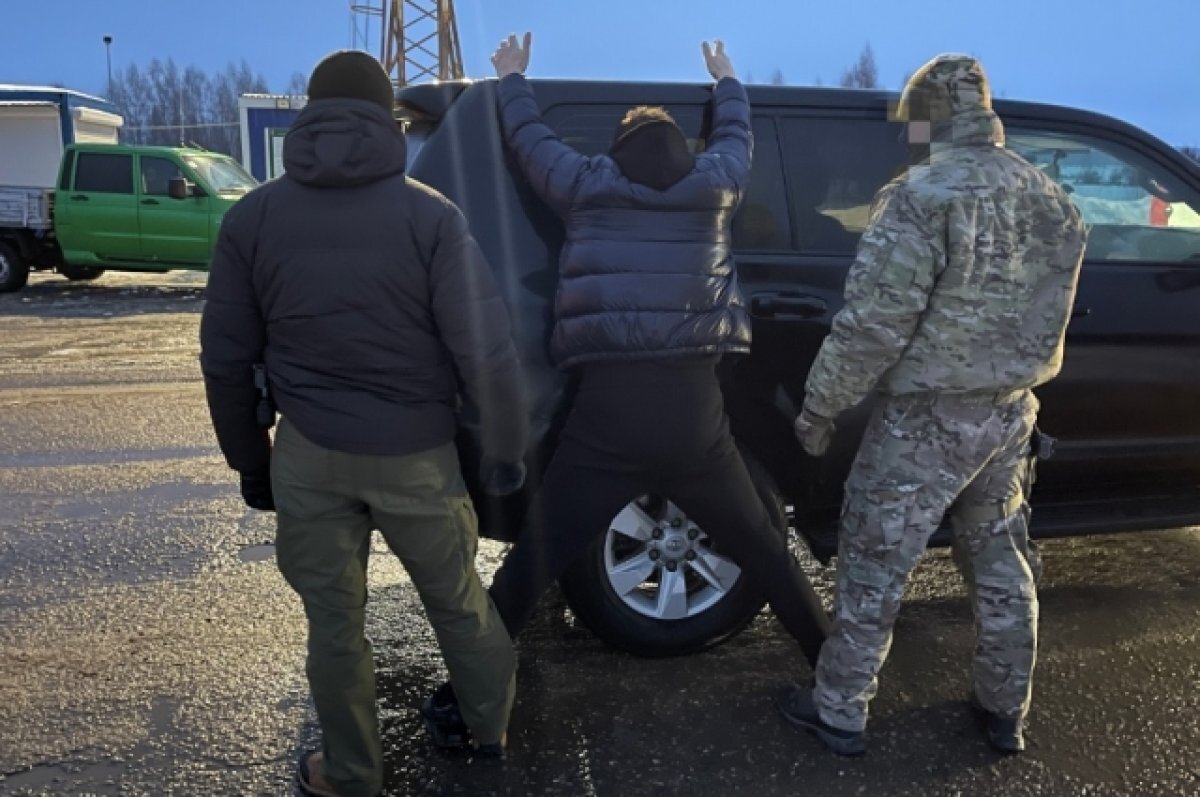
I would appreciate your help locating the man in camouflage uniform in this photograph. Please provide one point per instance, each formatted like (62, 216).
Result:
(956, 306)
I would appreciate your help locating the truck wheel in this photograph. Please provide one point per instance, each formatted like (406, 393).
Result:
(635, 601)
(14, 271)
(79, 273)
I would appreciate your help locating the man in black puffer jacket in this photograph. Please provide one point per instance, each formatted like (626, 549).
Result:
(647, 303)
(367, 298)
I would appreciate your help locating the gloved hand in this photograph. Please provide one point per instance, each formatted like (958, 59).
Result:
(500, 478)
(813, 432)
(256, 491)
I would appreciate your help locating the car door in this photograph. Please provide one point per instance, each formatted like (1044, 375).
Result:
(824, 166)
(97, 217)
(1125, 406)
(174, 231)
(813, 176)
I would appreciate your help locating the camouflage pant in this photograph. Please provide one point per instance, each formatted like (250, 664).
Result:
(921, 457)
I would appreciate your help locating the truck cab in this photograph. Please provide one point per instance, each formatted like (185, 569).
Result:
(143, 208)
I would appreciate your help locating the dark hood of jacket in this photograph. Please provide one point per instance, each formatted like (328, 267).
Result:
(338, 143)
(654, 154)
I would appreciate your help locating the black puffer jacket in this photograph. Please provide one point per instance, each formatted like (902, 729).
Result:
(364, 293)
(643, 273)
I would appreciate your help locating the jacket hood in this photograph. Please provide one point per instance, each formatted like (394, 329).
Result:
(654, 154)
(338, 143)
(952, 92)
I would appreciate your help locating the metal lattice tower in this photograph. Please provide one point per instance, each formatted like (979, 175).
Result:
(413, 39)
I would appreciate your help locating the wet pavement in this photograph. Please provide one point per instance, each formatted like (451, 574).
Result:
(148, 645)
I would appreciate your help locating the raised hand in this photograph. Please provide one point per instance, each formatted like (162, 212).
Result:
(716, 60)
(511, 56)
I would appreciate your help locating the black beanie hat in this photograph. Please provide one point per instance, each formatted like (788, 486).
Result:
(352, 74)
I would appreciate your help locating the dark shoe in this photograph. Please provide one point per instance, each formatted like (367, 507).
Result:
(1004, 734)
(443, 719)
(310, 775)
(489, 753)
(797, 707)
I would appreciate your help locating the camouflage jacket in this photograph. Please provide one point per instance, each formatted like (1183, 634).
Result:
(964, 278)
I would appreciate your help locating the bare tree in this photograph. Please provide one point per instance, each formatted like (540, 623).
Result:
(1191, 152)
(236, 80)
(298, 85)
(863, 74)
(164, 105)
(777, 77)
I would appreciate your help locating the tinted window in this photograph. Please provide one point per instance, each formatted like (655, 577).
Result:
(64, 179)
(104, 174)
(834, 167)
(761, 222)
(157, 174)
(589, 128)
(1135, 209)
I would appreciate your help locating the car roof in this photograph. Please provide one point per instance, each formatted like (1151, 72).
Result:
(146, 149)
(434, 99)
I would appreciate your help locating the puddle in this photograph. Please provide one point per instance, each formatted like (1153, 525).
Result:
(49, 775)
(256, 553)
(58, 459)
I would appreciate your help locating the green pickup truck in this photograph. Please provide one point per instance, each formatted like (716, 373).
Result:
(127, 208)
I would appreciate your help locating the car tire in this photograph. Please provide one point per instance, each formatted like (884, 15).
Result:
(14, 271)
(604, 593)
(79, 273)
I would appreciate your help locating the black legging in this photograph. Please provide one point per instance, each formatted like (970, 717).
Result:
(653, 427)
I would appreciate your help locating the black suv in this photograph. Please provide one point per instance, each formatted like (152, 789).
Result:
(1126, 408)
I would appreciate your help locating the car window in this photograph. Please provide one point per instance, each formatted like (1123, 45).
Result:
(104, 174)
(761, 222)
(1136, 210)
(157, 174)
(589, 128)
(834, 168)
(222, 174)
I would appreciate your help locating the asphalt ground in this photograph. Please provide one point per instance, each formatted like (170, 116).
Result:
(148, 645)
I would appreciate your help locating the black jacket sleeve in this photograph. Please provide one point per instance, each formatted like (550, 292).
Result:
(474, 325)
(232, 338)
(551, 167)
(731, 142)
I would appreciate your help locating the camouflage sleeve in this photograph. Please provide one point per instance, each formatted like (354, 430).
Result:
(887, 290)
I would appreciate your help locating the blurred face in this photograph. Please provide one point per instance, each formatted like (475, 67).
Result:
(919, 131)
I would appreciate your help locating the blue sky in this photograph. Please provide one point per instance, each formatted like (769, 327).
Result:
(1135, 59)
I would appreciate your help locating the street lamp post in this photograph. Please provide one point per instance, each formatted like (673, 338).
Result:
(108, 58)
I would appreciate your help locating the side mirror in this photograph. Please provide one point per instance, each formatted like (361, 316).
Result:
(179, 188)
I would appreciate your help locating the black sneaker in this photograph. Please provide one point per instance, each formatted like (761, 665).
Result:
(489, 753)
(797, 707)
(1005, 734)
(443, 719)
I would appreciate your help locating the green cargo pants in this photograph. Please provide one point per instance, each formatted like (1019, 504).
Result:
(327, 504)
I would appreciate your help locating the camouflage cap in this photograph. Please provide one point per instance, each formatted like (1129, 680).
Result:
(946, 86)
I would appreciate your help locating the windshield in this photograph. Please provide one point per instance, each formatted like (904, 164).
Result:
(221, 174)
